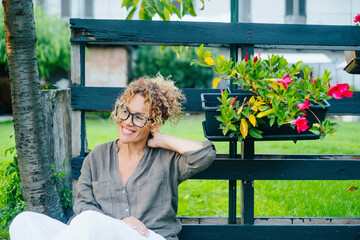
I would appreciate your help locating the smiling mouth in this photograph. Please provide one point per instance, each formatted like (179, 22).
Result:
(127, 131)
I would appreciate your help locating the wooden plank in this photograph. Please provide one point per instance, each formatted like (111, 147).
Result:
(103, 99)
(75, 115)
(346, 167)
(195, 33)
(296, 169)
(273, 220)
(261, 232)
(344, 106)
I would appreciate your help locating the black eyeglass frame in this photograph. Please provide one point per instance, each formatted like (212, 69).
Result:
(132, 117)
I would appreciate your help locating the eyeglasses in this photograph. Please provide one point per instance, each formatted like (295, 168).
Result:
(137, 119)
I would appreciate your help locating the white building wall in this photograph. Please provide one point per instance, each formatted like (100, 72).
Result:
(332, 12)
(263, 11)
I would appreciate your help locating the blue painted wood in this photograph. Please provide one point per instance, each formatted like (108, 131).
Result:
(297, 167)
(261, 232)
(103, 99)
(195, 33)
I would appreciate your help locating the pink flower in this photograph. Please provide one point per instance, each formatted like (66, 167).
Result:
(314, 80)
(259, 53)
(339, 91)
(246, 57)
(357, 18)
(233, 102)
(303, 106)
(222, 92)
(255, 59)
(285, 81)
(300, 123)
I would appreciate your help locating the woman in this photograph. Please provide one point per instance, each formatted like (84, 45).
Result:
(128, 188)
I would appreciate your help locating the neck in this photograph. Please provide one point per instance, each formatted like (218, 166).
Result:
(131, 150)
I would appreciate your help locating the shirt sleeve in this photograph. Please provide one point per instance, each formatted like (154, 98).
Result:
(193, 162)
(84, 196)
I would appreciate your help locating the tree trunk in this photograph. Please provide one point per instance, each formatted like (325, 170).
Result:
(37, 180)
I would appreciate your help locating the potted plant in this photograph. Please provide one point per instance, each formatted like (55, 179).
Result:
(353, 57)
(276, 98)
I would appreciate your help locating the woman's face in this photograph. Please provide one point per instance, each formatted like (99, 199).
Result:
(130, 133)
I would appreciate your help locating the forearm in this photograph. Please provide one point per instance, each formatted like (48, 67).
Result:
(177, 144)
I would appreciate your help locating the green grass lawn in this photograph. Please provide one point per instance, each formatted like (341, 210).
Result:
(6, 129)
(272, 198)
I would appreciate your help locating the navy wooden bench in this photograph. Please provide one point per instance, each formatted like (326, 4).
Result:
(245, 166)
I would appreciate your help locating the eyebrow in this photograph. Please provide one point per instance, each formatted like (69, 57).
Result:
(139, 113)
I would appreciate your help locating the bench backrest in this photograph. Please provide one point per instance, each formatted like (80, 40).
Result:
(246, 166)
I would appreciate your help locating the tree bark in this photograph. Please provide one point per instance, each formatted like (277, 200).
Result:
(37, 180)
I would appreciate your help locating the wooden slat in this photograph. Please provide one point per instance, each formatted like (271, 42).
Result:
(278, 169)
(261, 232)
(273, 220)
(195, 33)
(345, 105)
(103, 99)
(338, 167)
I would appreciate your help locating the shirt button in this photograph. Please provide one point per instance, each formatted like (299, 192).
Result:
(124, 191)
(127, 210)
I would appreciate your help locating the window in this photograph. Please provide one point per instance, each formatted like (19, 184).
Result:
(289, 7)
(295, 11)
(89, 8)
(65, 8)
(300, 9)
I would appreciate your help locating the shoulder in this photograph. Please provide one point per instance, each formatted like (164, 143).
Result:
(104, 146)
(101, 151)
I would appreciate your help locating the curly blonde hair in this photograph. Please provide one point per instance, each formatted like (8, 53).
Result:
(163, 100)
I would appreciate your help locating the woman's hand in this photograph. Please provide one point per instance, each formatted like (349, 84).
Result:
(137, 225)
(156, 140)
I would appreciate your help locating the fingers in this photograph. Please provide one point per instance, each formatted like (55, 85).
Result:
(137, 225)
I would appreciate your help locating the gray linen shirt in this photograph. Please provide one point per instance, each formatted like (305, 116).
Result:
(151, 193)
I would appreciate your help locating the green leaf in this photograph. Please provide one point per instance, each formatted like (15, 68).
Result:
(177, 12)
(131, 14)
(150, 2)
(151, 10)
(125, 3)
(185, 7)
(195, 61)
(203, 6)
(191, 9)
(272, 121)
(159, 6)
(255, 133)
(225, 130)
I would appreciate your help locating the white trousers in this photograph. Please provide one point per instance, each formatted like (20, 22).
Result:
(88, 225)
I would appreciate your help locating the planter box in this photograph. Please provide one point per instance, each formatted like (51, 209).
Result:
(353, 62)
(210, 105)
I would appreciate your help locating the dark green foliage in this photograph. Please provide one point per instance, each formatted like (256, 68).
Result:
(52, 46)
(63, 189)
(12, 201)
(164, 8)
(171, 62)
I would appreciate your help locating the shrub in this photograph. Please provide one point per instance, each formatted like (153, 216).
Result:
(11, 200)
(169, 62)
(52, 46)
